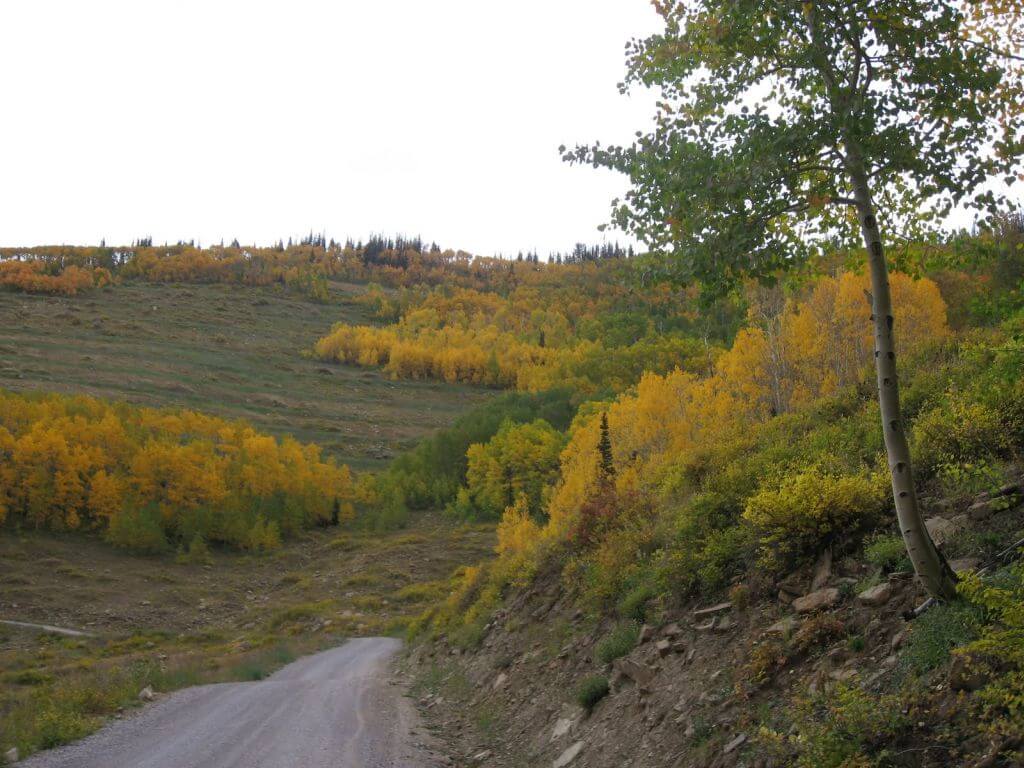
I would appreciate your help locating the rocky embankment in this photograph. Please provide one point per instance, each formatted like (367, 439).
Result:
(703, 679)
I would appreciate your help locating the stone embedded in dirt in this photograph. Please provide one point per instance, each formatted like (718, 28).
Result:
(679, 647)
(672, 630)
(664, 647)
(735, 744)
(783, 627)
(11, 755)
(965, 674)
(965, 564)
(639, 673)
(479, 757)
(822, 570)
(568, 756)
(842, 675)
(793, 585)
(706, 626)
(713, 610)
(940, 529)
(645, 634)
(898, 640)
(724, 624)
(146, 694)
(499, 681)
(876, 596)
(982, 510)
(562, 727)
(816, 601)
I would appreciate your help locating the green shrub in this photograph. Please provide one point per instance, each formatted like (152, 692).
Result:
(723, 557)
(633, 604)
(935, 633)
(618, 642)
(956, 432)
(969, 478)
(809, 510)
(837, 729)
(198, 552)
(27, 677)
(520, 460)
(431, 474)
(705, 547)
(1008, 401)
(263, 536)
(138, 529)
(56, 725)
(888, 553)
(999, 651)
(591, 691)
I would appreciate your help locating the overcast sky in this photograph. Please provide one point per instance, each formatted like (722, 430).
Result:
(261, 120)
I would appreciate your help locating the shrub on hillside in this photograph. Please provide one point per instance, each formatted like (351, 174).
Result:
(888, 553)
(198, 553)
(521, 460)
(957, 431)
(138, 529)
(997, 656)
(591, 691)
(617, 643)
(935, 634)
(633, 604)
(807, 511)
(431, 474)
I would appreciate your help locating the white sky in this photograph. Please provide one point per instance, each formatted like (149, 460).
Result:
(261, 120)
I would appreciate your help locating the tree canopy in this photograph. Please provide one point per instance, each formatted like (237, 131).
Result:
(765, 105)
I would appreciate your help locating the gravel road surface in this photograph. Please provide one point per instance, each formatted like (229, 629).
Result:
(335, 709)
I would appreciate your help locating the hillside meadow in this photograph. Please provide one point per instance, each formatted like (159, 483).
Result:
(229, 350)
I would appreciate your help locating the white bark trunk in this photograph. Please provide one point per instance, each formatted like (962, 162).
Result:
(930, 565)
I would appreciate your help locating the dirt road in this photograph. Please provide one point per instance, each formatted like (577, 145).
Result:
(333, 709)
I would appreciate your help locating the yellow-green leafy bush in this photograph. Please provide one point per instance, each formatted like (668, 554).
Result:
(806, 511)
(999, 651)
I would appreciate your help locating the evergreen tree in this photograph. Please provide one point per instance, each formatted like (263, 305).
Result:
(604, 447)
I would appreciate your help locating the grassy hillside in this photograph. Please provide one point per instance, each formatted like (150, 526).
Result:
(229, 350)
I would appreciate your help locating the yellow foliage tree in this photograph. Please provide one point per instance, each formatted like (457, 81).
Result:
(146, 475)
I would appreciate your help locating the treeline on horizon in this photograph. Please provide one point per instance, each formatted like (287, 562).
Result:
(306, 264)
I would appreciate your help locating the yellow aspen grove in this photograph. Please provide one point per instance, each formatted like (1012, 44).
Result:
(149, 477)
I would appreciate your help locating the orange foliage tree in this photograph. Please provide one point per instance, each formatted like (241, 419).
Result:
(149, 477)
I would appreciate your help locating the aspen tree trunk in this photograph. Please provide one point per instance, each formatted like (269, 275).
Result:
(930, 565)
